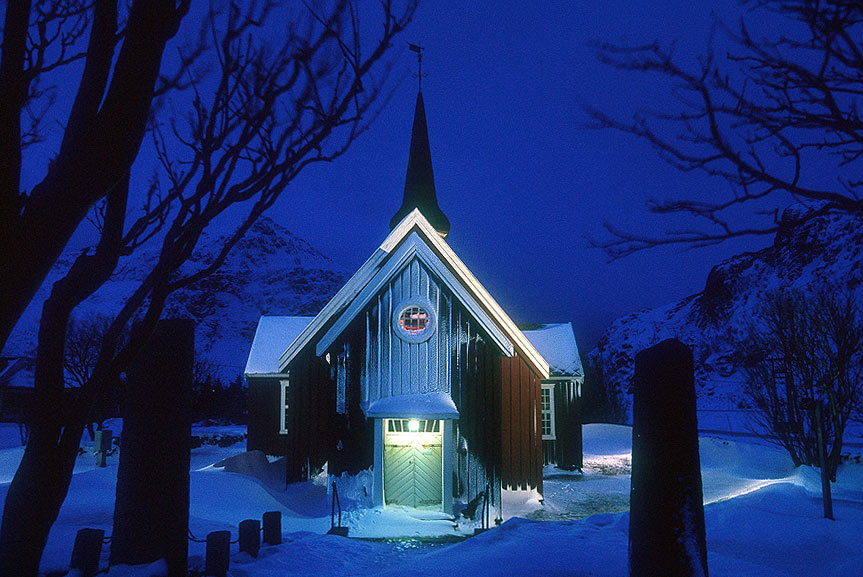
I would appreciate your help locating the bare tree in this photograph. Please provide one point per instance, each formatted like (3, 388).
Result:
(83, 345)
(83, 342)
(769, 118)
(603, 400)
(120, 51)
(234, 141)
(807, 349)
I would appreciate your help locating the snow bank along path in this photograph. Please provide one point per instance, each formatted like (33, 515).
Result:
(763, 519)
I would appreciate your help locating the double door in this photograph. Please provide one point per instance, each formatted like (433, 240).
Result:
(413, 463)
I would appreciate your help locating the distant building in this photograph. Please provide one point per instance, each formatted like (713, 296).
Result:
(17, 395)
(414, 372)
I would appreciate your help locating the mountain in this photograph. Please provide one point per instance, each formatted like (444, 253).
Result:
(826, 251)
(270, 271)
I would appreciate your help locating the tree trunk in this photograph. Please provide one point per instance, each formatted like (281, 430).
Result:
(41, 482)
(105, 127)
(33, 501)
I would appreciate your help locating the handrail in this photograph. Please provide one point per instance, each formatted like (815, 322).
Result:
(485, 507)
(335, 502)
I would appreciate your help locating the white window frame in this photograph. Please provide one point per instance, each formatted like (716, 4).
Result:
(284, 406)
(550, 388)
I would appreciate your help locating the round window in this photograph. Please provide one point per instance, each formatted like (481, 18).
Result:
(414, 320)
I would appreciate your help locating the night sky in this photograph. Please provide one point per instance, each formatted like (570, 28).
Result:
(520, 177)
(518, 173)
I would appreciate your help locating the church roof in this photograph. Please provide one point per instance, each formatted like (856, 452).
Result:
(500, 327)
(273, 334)
(419, 181)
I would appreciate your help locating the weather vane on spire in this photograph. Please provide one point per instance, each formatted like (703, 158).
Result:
(419, 49)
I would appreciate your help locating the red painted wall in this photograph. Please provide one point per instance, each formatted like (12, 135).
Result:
(520, 420)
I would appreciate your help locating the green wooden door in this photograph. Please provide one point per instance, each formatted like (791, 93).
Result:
(413, 465)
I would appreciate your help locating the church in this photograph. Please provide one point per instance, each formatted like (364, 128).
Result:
(414, 375)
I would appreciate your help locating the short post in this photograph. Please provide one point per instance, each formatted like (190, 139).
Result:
(250, 536)
(87, 551)
(218, 555)
(272, 527)
(102, 444)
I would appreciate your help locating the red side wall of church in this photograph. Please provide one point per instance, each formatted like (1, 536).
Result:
(520, 419)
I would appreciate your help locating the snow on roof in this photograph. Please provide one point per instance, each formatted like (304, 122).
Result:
(556, 343)
(437, 405)
(272, 337)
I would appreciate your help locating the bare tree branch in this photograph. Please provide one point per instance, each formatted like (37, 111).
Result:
(107, 121)
(233, 141)
(768, 118)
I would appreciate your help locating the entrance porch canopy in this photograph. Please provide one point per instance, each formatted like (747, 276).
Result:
(438, 405)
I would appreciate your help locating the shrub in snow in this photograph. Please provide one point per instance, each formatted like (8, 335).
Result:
(356, 488)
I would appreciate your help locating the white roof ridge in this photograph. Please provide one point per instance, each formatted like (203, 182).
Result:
(415, 220)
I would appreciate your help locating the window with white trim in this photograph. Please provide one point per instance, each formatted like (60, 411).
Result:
(547, 406)
(284, 406)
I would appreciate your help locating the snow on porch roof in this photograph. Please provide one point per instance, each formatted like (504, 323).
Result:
(421, 405)
(272, 337)
(556, 343)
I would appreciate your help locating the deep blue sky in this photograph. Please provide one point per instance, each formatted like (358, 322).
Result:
(517, 173)
(520, 178)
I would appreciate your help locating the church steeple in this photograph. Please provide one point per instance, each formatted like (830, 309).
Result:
(419, 181)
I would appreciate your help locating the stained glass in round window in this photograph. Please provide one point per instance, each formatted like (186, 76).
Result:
(414, 320)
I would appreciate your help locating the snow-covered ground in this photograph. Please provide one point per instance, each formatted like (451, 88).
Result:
(763, 518)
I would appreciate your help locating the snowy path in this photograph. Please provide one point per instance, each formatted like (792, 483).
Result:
(763, 519)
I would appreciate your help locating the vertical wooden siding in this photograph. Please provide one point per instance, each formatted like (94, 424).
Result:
(394, 366)
(476, 394)
(567, 412)
(520, 422)
(264, 406)
(352, 445)
(313, 413)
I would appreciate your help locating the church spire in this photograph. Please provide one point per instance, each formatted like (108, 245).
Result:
(419, 181)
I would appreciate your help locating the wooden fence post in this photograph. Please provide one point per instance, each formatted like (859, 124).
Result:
(272, 527)
(218, 555)
(87, 551)
(101, 445)
(250, 536)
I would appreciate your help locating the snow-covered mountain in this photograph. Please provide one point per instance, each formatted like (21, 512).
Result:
(824, 252)
(270, 271)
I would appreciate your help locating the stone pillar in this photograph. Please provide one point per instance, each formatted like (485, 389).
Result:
(151, 512)
(666, 523)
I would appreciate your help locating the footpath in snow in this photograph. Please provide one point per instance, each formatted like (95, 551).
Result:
(763, 518)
